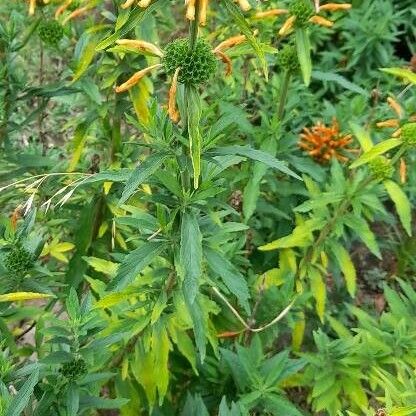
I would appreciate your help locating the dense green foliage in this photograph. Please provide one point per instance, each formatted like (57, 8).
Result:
(207, 208)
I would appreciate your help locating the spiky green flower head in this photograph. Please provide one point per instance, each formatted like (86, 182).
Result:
(302, 10)
(408, 134)
(18, 260)
(196, 65)
(74, 369)
(381, 168)
(51, 32)
(287, 58)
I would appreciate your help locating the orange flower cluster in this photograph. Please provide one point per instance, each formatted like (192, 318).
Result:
(325, 142)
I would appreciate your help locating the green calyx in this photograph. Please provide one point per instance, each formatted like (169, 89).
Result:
(74, 369)
(196, 65)
(287, 59)
(50, 32)
(381, 168)
(408, 134)
(18, 260)
(302, 10)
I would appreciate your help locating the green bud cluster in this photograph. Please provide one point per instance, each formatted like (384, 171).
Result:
(18, 260)
(50, 31)
(408, 134)
(196, 65)
(381, 168)
(302, 10)
(287, 58)
(74, 369)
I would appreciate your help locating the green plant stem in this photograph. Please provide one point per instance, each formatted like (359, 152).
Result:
(284, 88)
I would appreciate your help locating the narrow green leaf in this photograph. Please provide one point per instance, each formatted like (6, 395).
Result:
(72, 400)
(346, 265)
(258, 155)
(21, 400)
(363, 136)
(190, 255)
(230, 275)
(402, 204)
(343, 82)
(72, 304)
(84, 54)
(80, 137)
(242, 24)
(375, 151)
(140, 174)
(304, 53)
(361, 228)
(193, 115)
(134, 263)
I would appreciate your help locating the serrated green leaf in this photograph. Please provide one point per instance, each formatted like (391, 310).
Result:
(134, 263)
(21, 400)
(190, 255)
(141, 173)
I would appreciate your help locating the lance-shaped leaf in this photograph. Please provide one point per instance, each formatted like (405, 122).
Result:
(21, 400)
(193, 115)
(406, 74)
(304, 53)
(346, 265)
(258, 155)
(402, 204)
(231, 277)
(318, 290)
(141, 173)
(190, 255)
(18, 296)
(375, 151)
(134, 263)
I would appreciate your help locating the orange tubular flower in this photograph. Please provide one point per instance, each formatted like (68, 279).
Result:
(301, 13)
(397, 122)
(190, 7)
(323, 143)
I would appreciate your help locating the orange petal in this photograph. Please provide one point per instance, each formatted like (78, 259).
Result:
(62, 8)
(287, 26)
(397, 133)
(244, 5)
(143, 3)
(332, 7)
(388, 123)
(270, 13)
(203, 7)
(190, 9)
(172, 111)
(230, 42)
(229, 334)
(396, 107)
(76, 13)
(403, 170)
(227, 62)
(136, 78)
(319, 20)
(32, 7)
(127, 4)
(141, 45)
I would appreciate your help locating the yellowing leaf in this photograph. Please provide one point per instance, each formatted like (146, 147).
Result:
(401, 203)
(113, 299)
(101, 265)
(363, 136)
(16, 296)
(298, 331)
(301, 236)
(408, 75)
(318, 289)
(346, 265)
